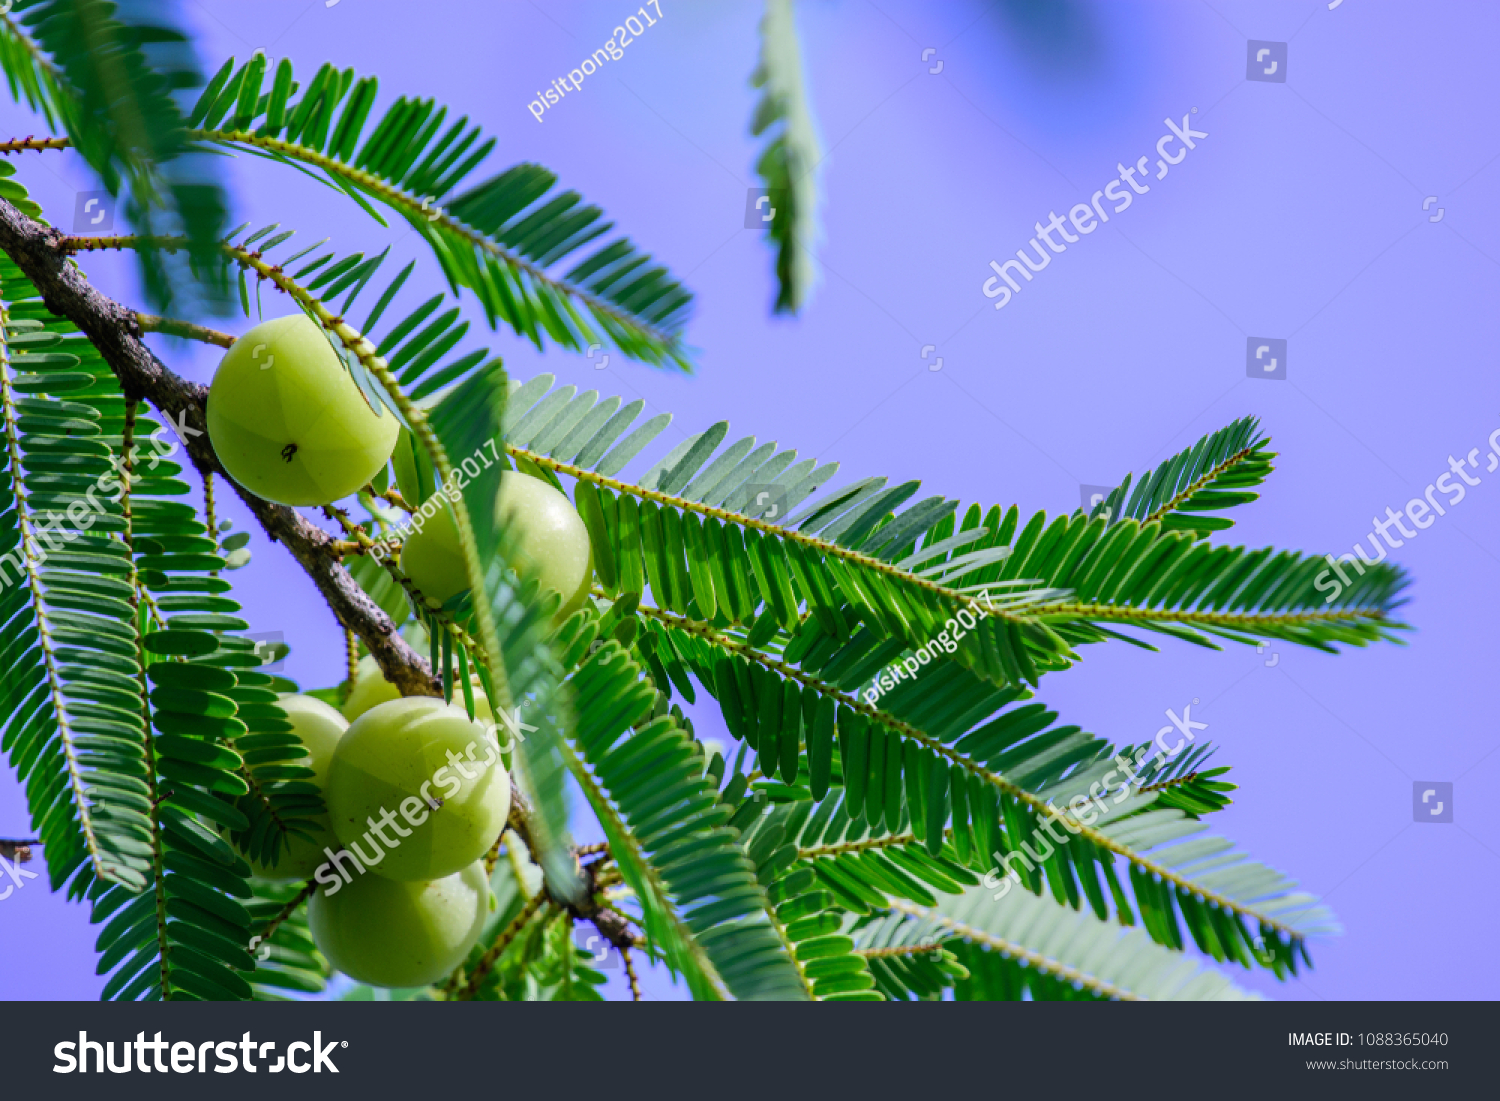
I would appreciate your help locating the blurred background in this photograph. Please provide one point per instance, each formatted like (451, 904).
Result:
(1344, 203)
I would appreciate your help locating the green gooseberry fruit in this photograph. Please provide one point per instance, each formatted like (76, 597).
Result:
(548, 542)
(385, 933)
(372, 689)
(416, 789)
(287, 420)
(319, 728)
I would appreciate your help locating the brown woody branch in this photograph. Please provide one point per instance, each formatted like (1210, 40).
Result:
(116, 332)
(42, 255)
(612, 925)
(590, 907)
(18, 852)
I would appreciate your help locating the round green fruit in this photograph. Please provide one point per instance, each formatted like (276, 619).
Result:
(416, 789)
(287, 420)
(319, 728)
(372, 689)
(385, 933)
(550, 544)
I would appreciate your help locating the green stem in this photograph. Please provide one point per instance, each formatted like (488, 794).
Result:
(1044, 964)
(158, 871)
(150, 323)
(422, 429)
(487, 962)
(415, 207)
(44, 634)
(1208, 476)
(22, 145)
(994, 779)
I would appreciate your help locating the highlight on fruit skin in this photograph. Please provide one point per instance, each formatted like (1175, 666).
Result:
(371, 689)
(289, 423)
(319, 728)
(547, 540)
(385, 933)
(416, 789)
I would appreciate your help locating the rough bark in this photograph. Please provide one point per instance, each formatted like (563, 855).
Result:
(115, 331)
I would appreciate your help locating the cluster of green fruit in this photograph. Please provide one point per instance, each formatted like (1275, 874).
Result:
(398, 855)
(289, 423)
(404, 908)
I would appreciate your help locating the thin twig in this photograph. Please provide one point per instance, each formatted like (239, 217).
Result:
(635, 983)
(18, 852)
(210, 520)
(150, 323)
(492, 857)
(487, 962)
(391, 497)
(1163, 785)
(288, 910)
(345, 547)
(23, 145)
(903, 950)
(857, 846)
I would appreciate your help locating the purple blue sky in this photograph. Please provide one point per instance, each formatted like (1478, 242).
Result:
(1300, 216)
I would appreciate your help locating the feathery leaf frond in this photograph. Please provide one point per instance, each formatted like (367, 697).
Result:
(788, 164)
(719, 527)
(1020, 932)
(644, 776)
(501, 238)
(107, 74)
(1215, 473)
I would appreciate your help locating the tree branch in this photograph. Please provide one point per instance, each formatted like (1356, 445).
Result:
(150, 323)
(116, 332)
(288, 910)
(635, 983)
(18, 852)
(41, 253)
